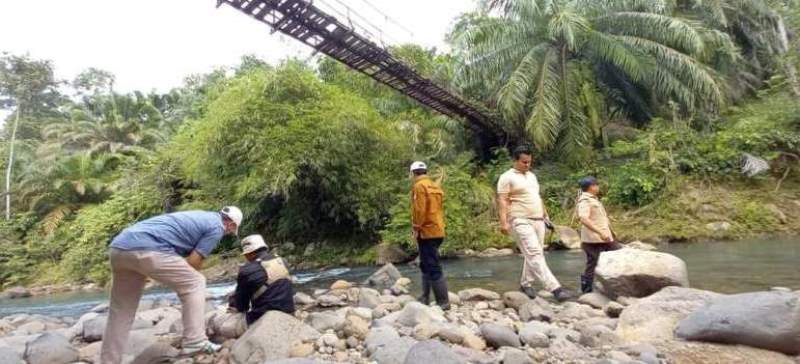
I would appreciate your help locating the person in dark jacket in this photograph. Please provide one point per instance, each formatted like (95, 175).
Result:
(263, 283)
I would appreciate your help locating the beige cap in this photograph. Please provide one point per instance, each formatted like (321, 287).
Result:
(252, 243)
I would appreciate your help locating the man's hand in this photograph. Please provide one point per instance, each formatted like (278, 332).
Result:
(195, 260)
(607, 237)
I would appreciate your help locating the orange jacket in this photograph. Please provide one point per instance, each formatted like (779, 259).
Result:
(427, 208)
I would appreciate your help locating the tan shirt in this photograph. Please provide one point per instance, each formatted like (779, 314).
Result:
(590, 207)
(523, 192)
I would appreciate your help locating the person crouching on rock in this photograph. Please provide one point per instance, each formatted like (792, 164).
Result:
(596, 235)
(263, 283)
(170, 249)
(427, 219)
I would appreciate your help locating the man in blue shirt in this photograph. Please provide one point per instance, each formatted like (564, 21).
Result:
(170, 249)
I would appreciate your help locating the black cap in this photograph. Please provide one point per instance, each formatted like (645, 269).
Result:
(587, 182)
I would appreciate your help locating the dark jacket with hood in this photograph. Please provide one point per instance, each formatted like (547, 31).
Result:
(252, 276)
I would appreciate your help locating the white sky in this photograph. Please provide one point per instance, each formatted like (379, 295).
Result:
(154, 44)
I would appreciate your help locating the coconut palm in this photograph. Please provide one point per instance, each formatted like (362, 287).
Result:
(558, 64)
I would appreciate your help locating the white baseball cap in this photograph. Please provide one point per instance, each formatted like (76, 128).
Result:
(252, 243)
(418, 165)
(234, 214)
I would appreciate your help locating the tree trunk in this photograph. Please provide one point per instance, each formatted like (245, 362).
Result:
(791, 72)
(11, 162)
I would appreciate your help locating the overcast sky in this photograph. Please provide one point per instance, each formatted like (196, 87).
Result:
(154, 44)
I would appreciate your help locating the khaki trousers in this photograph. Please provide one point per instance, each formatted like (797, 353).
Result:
(529, 235)
(129, 270)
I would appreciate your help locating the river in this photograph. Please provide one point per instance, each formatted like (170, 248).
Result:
(728, 267)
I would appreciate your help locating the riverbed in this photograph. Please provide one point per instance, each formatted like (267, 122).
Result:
(727, 267)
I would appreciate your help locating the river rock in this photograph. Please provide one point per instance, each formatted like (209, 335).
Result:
(341, 284)
(594, 299)
(655, 317)
(534, 310)
(384, 277)
(389, 253)
(473, 356)
(534, 336)
(683, 352)
(158, 352)
(303, 299)
(515, 299)
(90, 353)
(498, 336)
(356, 326)
(330, 300)
(452, 334)
(638, 273)
(494, 253)
(415, 313)
(568, 238)
(270, 338)
(514, 356)
(50, 348)
(15, 292)
(432, 351)
(613, 309)
(9, 356)
(379, 337)
(474, 342)
(767, 320)
(598, 335)
(478, 294)
(369, 298)
(394, 353)
(295, 361)
(301, 350)
(30, 328)
(224, 325)
(640, 245)
(324, 321)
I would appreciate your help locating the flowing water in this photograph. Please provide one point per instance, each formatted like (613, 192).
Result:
(727, 267)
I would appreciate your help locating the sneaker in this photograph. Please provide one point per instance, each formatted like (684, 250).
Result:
(205, 347)
(562, 294)
(528, 291)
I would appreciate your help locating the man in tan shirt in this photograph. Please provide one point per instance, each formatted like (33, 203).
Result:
(596, 235)
(523, 215)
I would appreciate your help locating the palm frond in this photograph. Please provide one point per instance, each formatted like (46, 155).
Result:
(543, 125)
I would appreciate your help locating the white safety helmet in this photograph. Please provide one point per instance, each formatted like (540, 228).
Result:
(418, 165)
(252, 243)
(234, 214)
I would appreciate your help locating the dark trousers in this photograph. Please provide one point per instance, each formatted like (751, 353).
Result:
(593, 251)
(429, 262)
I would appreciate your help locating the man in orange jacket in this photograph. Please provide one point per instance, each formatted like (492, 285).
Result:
(427, 218)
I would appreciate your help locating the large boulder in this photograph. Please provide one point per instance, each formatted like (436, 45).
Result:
(515, 299)
(384, 277)
(639, 273)
(568, 238)
(271, 338)
(432, 351)
(9, 356)
(535, 310)
(369, 298)
(767, 320)
(683, 352)
(388, 253)
(50, 348)
(395, 353)
(158, 352)
(655, 317)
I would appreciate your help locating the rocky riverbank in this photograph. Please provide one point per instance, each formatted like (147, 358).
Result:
(653, 318)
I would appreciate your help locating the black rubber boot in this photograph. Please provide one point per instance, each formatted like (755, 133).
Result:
(425, 297)
(441, 294)
(561, 294)
(586, 284)
(528, 291)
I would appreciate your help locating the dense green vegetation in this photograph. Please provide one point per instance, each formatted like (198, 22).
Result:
(660, 99)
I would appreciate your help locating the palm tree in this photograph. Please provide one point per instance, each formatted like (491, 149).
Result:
(127, 124)
(558, 65)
